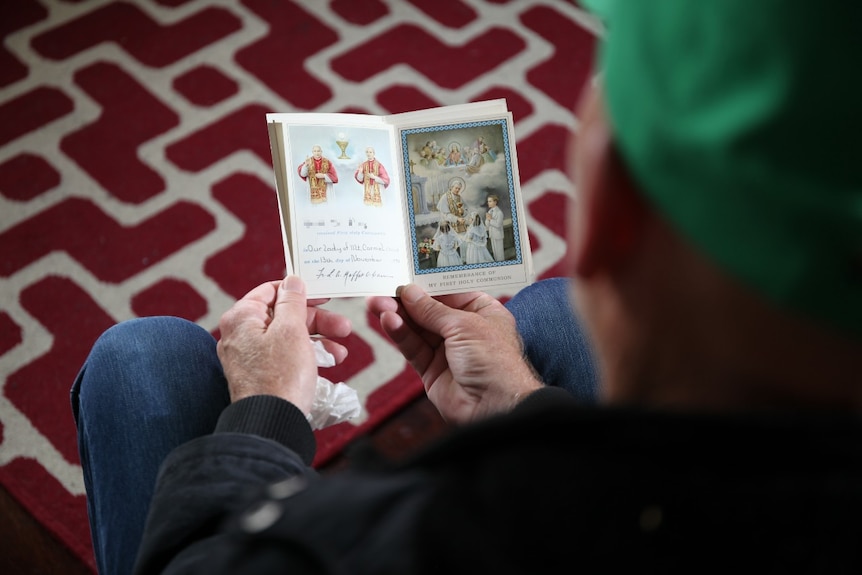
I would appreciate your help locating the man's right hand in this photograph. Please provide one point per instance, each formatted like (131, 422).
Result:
(464, 346)
(265, 345)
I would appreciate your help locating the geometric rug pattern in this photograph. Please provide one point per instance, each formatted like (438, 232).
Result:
(136, 177)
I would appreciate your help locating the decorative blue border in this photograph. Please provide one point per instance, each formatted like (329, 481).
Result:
(504, 128)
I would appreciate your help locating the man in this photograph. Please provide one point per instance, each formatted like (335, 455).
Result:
(452, 209)
(451, 206)
(320, 174)
(494, 223)
(371, 174)
(729, 433)
(454, 158)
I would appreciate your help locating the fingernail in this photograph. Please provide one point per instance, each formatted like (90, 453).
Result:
(292, 283)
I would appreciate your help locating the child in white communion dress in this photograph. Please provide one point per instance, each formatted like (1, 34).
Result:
(446, 242)
(477, 242)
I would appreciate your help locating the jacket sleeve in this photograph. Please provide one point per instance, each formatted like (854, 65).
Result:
(235, 502)
(543, 398)
(257, 441)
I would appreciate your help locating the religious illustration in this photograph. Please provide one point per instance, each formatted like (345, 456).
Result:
(373, 177)
(465, 184)
(320, 174)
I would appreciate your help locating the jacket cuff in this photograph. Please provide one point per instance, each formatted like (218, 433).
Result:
(273, 418)
(544, 396)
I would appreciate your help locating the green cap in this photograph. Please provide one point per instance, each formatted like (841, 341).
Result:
(742, 120)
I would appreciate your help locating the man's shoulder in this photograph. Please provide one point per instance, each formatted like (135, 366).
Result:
(693, 475)
(555, 420)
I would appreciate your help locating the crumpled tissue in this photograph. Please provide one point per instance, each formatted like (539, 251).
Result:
(333, 402)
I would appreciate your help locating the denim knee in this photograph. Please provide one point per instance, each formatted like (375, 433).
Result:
(554, 340)
(151, 335)
(150, 359)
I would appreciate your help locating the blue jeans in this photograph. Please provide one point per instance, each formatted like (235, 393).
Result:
(554, 341)
(152, 384)
(148, 386)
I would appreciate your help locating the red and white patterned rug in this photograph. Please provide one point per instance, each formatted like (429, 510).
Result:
(136, 178)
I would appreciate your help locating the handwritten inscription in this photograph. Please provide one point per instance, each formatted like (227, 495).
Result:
(350, 276)
(354, 258)
(351, 252)
(349, 247)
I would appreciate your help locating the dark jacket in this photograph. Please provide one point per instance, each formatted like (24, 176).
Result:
(552, 487)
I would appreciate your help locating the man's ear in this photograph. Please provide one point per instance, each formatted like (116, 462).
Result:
(606, 219)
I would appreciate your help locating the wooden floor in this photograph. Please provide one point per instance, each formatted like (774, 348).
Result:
(26, 549)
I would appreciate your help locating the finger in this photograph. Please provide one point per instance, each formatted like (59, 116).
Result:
(327, 323)
(418, 353)
(265, 293)
(253, 306)
(339, 352)
(394, 326)
(244, 314)
(379, 304)
(432, 339)
(428, 313)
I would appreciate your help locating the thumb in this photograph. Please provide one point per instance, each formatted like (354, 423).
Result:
(424, 310)
(289, 311)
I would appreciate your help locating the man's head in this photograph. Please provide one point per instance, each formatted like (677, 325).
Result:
(716, 237)
(316, 152)
(369, 153)
(455, 186)
(492, 201)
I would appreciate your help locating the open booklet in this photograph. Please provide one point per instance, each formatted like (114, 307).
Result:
(432, 197)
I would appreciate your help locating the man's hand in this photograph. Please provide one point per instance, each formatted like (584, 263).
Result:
(265, 346)
(465, 347)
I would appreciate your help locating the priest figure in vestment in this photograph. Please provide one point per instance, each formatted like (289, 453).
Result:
(320, 174)
(372, 175)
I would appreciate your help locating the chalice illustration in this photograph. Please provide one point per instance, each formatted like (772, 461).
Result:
(342, 143)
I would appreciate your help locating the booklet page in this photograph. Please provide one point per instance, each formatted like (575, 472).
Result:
(345, 205)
